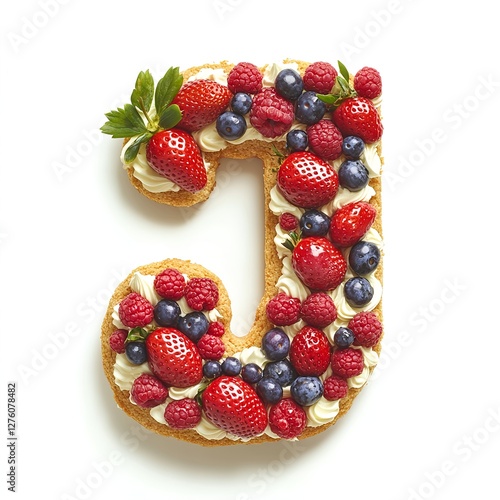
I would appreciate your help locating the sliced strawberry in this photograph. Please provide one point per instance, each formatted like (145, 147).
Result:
(351, 222)
(358, 116)
(174, 154)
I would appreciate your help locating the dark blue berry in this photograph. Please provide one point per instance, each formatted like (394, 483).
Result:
(358, 291)
(231, 126)
(343, 338)
(296, 140)
(194, 325)
(352, 147)
(167, 312)
(364, 257)
(136, 352)
(281, 371)
(305, 391)
(309, 109)
(241, 103)
(212, 369)
(231, 366)
(269, 390)
(314, 223)
(353, 175)
(276, 344)
(289, 84)
(251, 373)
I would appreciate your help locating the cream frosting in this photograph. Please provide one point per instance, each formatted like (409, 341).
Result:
(125, 372)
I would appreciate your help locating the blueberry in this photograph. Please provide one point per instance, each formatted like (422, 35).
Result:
(309, 109)
(296, 140)
(167, 312)
(353, 175)
(194, 325)
(276, 344)
(289, 84)
(343, 338)
(231, 366)
(305, 391)
(281, 371)
(269, 390)
(251, 373)
(364, 257)
(212, 369)
(352, 147)
(314, 223)
(231, 126)
(358, 291)
(136, 352)
(241, 103)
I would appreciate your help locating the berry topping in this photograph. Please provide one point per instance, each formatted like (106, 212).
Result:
(216, 328)
(289, 84)
(318, 310)
(282, 371)
(170, 284)
(353, 147)
(269, 390)
(320, 77)
(288, 221)
(231, 126)
(147, 391)
(310, 352)
(135, 311)
(212, 369)
(309, 109)
(287, 419)
(306, 390)
(296, 140)
(353, 175)
(117, 341)
(368, 83)
(231, 366)
(136, 352)
(251, 373)
(343, 338)
(314, 223)
(183, 414)
(358, 116)
(202, 294)
(167, 312)
(364, 257)
(358, 291)
(367, 329)
(347, 362)
(193, 325)
(335, 388)
(245, 77)
(283, 310)
(325, 140)
(351, 222)
(271, 114)
(241, 103)
(211, 347)
(276, 344)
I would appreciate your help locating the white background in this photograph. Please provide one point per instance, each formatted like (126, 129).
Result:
(428, 423)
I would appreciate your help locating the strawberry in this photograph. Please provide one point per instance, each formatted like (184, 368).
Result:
(310, 352)
(201, 102)
(358, 116)
(233, 405)
(174, 154)
(173, 358)
(306, 180)
(351, 222)
(319, 265)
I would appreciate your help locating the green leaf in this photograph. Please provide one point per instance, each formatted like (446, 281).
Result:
(133, 149)
(343, 71)
(170, 117)
(142, 95)
(124, 123)
(167, 89)
(327, 98)
(137, 335)
(344, 86)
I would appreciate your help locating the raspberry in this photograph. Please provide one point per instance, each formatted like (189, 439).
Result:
(183, 414)
(320, 77)
(216, 328)
(135, 311)
(325, 140)
(117, 341)
(245, 77)
(147, 391)
(271, 114)
(318, 310)
(211, 347)
(310, 352)
(347, 362)
(367, 329)
(283, 310)
(368, 83)
(201, 294)
(335, 388)
(170, 284)
(287, 419)
(288, 221)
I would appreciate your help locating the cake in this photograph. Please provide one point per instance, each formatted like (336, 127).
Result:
(168, 353)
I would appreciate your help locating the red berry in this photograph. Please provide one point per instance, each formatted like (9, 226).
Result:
(201, 294)
(319, 77)
(347, 362)
(368, 83)
(287, 419)
(358, 116)
(310, 352)
(325, 140)
(351, 222)
(211, 347)
(334, 388)
(117, 341)
(288, 221)
(170, 284)
(283, 310)
(318, 310)
(147, 391)
(183, 414)
(245, 77)
(216, 328)
(135, 311)
(367, 329)
(271, 114)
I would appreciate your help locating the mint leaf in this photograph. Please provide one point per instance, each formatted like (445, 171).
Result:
(327, 98)
(343, 71)
(142, 95)
(133, 149)
(170, 117)
(124, 123)
(167, 89)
